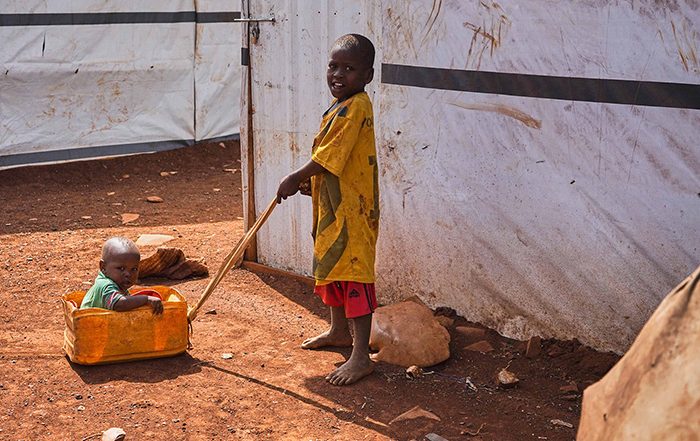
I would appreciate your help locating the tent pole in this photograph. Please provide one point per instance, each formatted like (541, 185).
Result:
(251, 252)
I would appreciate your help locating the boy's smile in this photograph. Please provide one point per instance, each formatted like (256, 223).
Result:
(347, 73)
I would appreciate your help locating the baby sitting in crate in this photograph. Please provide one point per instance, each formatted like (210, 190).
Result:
(119, 270)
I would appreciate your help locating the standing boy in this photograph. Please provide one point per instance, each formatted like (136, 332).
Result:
(345, 194)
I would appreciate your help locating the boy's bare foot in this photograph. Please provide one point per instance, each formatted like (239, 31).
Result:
(350, 372)
(328, 338)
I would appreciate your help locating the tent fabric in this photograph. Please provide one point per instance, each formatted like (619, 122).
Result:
(539, 189)
(85, 78)
(653, 392)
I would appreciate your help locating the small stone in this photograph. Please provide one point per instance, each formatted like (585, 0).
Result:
(414, 372)
(481, 346)
(216, 190)
(227, 355)
(125, 176)
(86, 217)
(434, 437)
(222, 145)
(211, 312)
(153, 239)
(507, 379)
(154, 199)
(569, 388)
(176, 420)
(534, 347)
(414, 413)
(78, 397)
(558, 422)
(29, 259)
(471, 333)
(111, 193)
(33, 219)
(129, 217)
(231, 170)
(114, 434)
(174, 172)
(81, 408)
(164, 173)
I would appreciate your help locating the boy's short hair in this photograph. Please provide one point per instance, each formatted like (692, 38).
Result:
(359, 43)
(121, 244)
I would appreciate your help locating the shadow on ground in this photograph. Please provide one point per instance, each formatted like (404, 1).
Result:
(145, 371)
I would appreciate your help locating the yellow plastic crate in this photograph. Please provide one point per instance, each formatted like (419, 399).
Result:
(98, 336)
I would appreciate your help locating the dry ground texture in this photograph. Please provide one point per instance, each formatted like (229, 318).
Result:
(53, 222)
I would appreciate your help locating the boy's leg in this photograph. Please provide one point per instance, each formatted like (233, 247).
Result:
(358, 365)
(337, 335)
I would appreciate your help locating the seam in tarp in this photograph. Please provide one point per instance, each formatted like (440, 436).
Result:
(597, 90)
(83, 153)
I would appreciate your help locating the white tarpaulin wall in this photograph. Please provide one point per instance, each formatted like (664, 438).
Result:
(540, 167)
(568, 217)
(83, 79)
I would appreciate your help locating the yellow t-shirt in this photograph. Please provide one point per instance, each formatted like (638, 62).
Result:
(346, 198)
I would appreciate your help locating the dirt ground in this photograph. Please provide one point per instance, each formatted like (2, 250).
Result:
(53, 222)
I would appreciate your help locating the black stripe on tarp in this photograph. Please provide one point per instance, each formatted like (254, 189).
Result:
(640, 93)
(217, 17)
(82, 153)
(104, 18)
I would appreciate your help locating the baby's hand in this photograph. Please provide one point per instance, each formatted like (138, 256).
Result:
(155, 304)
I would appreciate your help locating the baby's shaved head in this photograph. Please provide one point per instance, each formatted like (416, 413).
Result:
(358, 43)
(118, 245)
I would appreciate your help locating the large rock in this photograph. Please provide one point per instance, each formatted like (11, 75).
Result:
(653, 392)
(407, 334)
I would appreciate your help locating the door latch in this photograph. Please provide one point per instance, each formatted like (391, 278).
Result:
(271, 18)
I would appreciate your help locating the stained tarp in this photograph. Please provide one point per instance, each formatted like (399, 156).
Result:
(539, 171)
(86, 78)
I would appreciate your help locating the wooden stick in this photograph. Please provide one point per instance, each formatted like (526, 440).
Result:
(234, 258)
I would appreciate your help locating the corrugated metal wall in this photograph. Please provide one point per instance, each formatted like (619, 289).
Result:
(545, 180)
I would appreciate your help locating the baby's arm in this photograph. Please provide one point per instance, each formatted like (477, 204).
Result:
(127, 303)
(290, 184)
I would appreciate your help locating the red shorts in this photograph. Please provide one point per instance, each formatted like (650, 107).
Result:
(358, 298)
